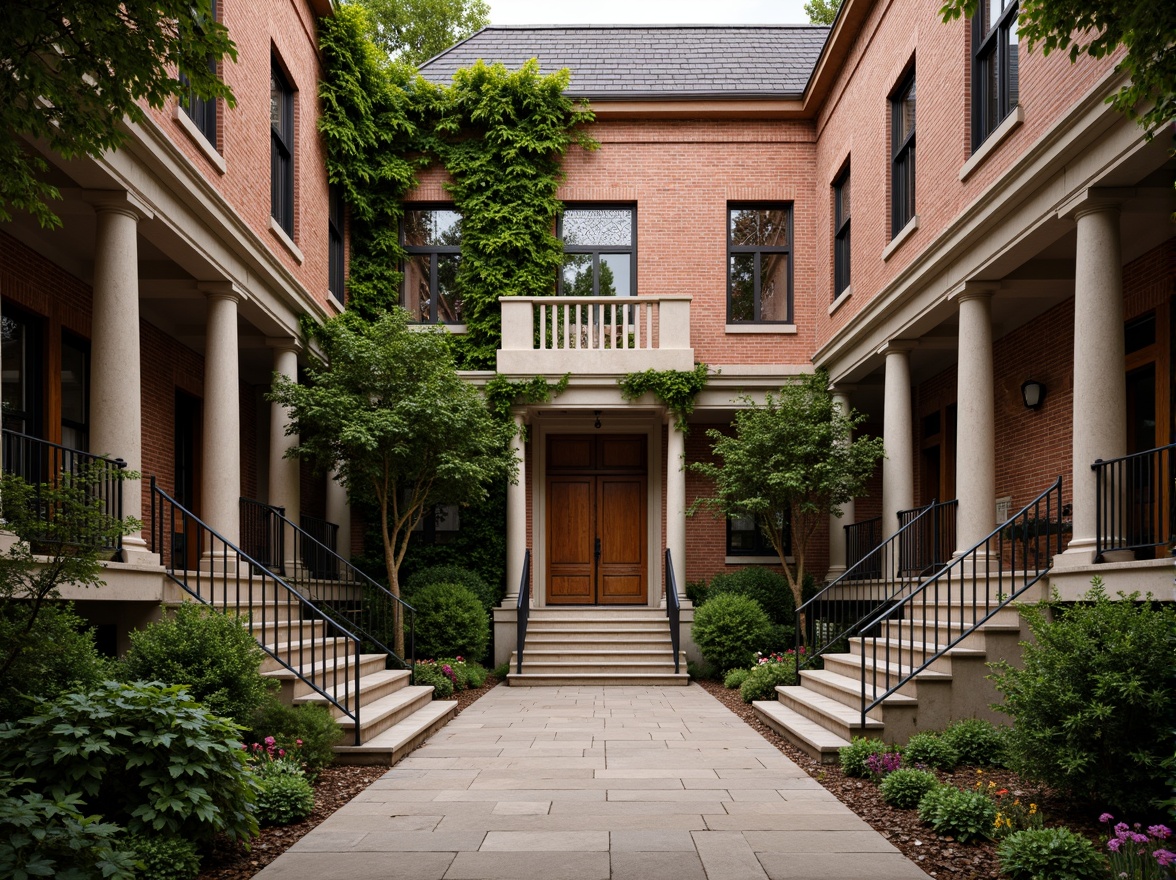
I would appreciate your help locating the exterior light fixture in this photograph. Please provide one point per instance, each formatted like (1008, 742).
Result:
(1032, 393)
(597, 414)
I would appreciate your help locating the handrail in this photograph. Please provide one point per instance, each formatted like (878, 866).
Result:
(321, 533)
(368, 608)
(227, 579)
(262, 535)
(838, 611)
(673, 608)
(523, 611)
(913, 639)
(41, 462)
(861, 539)
(1130, 491)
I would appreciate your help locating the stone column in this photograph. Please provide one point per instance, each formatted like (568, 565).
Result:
(837, 524)
(221, 478)
(1100, 400)
(284, 473)
(976, 425)
(898, 474)
(516, 519)
(339, 512)
(676, 503)
(116, 376)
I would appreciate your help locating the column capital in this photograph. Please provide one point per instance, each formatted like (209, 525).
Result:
(973, 290)
(221, 290)
(284, 343)
(1093, 200)
(898, 346)
(118, 201)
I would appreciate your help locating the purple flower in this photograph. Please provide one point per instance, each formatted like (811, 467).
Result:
(1164, 857)
(1105, 818)
(1113, 844)
(1159, 831)
(1141, 838)
(1121, 829)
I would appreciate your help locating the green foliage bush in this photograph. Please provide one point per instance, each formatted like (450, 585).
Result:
(451, 574)
(58, 656)
(763, 679)
(47, 834)
(1050, 854)
(1096, 700)
(905, 787)
(930, 750)
(703, 671)
(766, 585)
(501, 671)
(214, 655)
(145, 755)
(962, 814)
(311, 723)
(450, 620)
(853, 756)
(166, 858)
(977, 743)
(468, 673)
(284, 798)
(426, 673)
(729, 629)
(735, 678)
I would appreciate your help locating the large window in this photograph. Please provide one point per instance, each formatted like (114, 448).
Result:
(759, 264)
(432, 241)
(20, 339)
(281, 150)
(202, 111)
(600, 252)
(902, 151)
(336, 256)
(994, 66)
(841, 217)
(746, 538)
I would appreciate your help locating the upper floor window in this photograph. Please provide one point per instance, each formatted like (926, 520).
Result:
(336, 256)
(759, 263)
(432, 242)
(202, 111)
(281, 150)
(600, 252)
(902, 151)
(841, 217)
(995, 89)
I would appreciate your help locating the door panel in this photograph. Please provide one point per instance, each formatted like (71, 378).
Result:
(621, 526)
(570, 521)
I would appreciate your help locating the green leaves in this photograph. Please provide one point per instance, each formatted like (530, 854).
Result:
(675, 389)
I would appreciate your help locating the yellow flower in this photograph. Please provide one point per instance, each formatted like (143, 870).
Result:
(1033, 809)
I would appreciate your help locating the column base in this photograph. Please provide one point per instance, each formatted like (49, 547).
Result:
(136, 552)
(1078, 554)
(834, 572)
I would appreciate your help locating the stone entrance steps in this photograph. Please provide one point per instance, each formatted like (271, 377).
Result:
(598, 646)
(823, 712)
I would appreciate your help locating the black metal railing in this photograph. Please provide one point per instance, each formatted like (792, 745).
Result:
(293, 630)
(523, 611)
(362, 605)
(673, 609)
(44, 465)
(861, 538)
(1135, 502)
(927, 546)
(873, 581)
(262, 535)
(918, 628)
(320, 548)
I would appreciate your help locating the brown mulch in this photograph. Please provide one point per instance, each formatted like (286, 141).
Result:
(335, 786)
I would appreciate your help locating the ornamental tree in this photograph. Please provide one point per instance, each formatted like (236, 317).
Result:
(74, 70)
(387, 410)
(416, 30)
(790, 464)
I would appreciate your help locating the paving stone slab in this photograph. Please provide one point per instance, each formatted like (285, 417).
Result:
(357, 866)
(839, 866)
(657, 866)
(515, 866)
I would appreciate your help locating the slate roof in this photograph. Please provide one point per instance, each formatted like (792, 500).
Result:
(751, 61)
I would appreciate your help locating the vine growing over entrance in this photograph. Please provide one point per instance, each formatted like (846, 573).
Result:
(501, 393)
(674, 389)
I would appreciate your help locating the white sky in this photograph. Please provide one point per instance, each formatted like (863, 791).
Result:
(648, 12)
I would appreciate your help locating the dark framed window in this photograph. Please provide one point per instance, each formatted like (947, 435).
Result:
(202, 111)
(902, 152)
(336, 244)
(75, 393)
(600, 251)
(759, 263)
(432, 242)
(281, 150)
(23, 370)
(746, 538)
(440, 526)
(995, 87)
(841, 218)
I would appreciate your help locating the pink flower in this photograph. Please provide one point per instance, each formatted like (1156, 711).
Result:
(1159, 831)
(1121, 829)
(269, 740)
(1113, 844)
(298, 743)
(281, 753)
(1164, 857)
(1105, 818)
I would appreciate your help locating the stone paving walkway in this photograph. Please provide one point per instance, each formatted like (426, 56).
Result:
(584, 783)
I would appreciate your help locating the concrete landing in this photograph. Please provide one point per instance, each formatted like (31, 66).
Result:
(593, 783)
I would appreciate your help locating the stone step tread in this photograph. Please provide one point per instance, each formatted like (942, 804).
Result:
(305, 645)
(892, 668)
(364, 660)
(604, 653)
(820, 739)
(990, 625)
(850, 687)
(849, 716)
(372, 713)
(367, 683)
(924, 647)
(399, 736)
(599, 679)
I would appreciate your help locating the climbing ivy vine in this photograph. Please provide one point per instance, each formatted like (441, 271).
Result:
(501, 393)
(675, 389)
(500, 134)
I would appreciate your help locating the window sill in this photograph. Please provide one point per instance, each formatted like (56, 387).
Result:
(286, 240)
(753, 560)
(896, 242)
(455, 329)
(761, 328)
(333, 303)
(1010, 124)
(210, 151)
(841, 299)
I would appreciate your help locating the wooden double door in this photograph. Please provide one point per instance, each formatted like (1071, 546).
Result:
(597, 551)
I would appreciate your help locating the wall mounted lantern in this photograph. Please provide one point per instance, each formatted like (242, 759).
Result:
(1032, 393)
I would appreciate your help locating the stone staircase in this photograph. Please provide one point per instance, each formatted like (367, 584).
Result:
(597, 646)
(823, 712)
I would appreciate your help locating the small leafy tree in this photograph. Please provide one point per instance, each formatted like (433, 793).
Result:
(416, 30)
(389, 412)
(74, 69)
(790, 464)
(822, 11)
